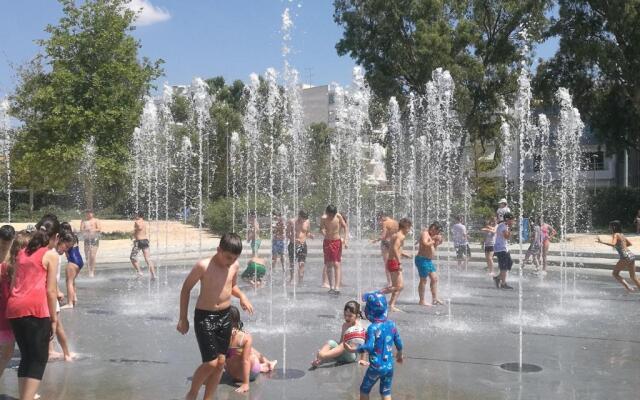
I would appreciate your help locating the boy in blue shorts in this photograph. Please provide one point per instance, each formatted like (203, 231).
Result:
(429, 239)
(380, 336)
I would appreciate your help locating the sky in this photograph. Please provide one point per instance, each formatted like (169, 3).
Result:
(206, 38)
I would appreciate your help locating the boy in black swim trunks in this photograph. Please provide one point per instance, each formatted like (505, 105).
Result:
(217, 276)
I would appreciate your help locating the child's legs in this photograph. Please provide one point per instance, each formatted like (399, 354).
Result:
(330, 351)
(62, 337)
(326, 275)
(434, 285)
(386, 382)
(421, 288)
(488, 255)
(398, 285)
(632, 273)
(300, 271)
(385, 258)
(370, 378)
(203, 372)
(545, 250)
(337, 270)
(92, 259)
(211, 383)
(147, 259)
(72, 272)
(6, 352)
(616, 273)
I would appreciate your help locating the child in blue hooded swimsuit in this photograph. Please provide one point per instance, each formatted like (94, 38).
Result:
(382, 334)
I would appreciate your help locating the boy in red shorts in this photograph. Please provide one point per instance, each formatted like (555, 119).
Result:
(393, 263)
(330, 225)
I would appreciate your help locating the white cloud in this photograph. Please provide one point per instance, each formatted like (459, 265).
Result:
(147, 13)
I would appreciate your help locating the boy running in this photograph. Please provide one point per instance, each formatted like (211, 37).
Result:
(393, 264)
(503, 234)
(429, 239)
(217, 276)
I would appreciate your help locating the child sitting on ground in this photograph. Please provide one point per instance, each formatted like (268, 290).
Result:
(380, 335)
(243, 362)
(351, 331)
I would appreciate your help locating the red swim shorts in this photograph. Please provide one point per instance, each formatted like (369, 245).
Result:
(332, 250)
(393, 265)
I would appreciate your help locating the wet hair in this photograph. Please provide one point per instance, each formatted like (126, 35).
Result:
(65, 227)
(331, 209)
(507, 216)
(615, 226)
(303, 214)
(436, 225)
(404, 223)
(231, 242)
(7, 233)
(459, 218)
(46, 229)
(354, 308)
(140, 214)
(20, 242)
(67, 237)
(234, 317)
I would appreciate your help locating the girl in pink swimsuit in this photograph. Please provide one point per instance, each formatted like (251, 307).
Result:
(243, 362)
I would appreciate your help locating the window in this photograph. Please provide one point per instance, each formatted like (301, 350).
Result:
(592, 161)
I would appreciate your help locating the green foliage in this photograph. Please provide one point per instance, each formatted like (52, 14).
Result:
(180, 108)
(598, 62)
(217, 216)
(615, 203)
(88, 83)
(400, 43)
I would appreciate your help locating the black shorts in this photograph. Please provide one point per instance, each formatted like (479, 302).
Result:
(32, 336)
(504, 260)
(301, 252)
(488, 249)
(213, 332)
(462, 251)
(138, 246)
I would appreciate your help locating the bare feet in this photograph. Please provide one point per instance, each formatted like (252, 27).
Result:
(424, 303)
(395, 309)
(325, 286)
(67, 306)
(272, 365)
(315, 363)
(70, 357)
(54, 355)
(91, 274)
(438, 302)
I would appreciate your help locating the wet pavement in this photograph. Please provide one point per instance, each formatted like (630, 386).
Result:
(585, 339)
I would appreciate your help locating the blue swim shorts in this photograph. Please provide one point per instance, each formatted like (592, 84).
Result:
(277, 247)
(425, 266)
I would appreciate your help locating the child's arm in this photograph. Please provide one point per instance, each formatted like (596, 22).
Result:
(235, 291)
(398, 342)
(363, 360)
(50, 260)
(344, 225)
(190, 281)
(246, 364)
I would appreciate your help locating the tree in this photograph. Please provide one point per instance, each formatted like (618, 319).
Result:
(88, 83)
(598, 61)
(399, 43)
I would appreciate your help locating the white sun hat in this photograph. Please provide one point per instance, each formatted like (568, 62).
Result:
(503, 200)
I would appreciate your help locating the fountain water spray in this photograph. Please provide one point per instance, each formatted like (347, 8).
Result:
(6, 144)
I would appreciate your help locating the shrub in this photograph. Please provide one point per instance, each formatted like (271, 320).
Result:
(615, 203)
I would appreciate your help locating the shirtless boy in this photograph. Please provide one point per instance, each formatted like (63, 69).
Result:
(393, 263)
(330, 225)
(217, 276)
(298, 230)
(141, 243)
(430, 239)
(389, 227)
(90, 229)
